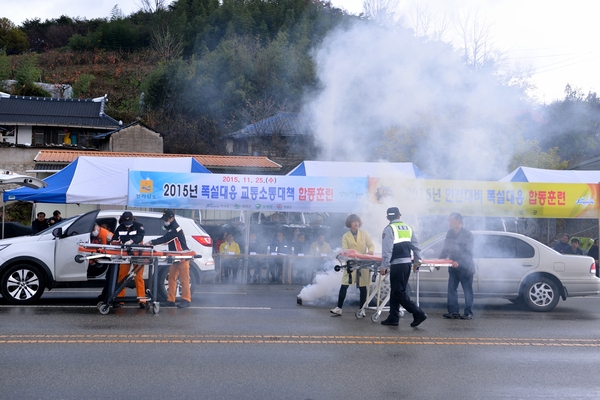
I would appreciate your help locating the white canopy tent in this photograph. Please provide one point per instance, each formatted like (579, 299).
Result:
(527, 174)
(357, 169)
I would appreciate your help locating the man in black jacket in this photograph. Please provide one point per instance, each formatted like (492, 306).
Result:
(40, 223)
(459, 248)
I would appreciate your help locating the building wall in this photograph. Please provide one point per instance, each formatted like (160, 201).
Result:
(136, 138)
(17, 159)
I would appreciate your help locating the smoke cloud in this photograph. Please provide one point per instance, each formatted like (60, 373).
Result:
(373, 79)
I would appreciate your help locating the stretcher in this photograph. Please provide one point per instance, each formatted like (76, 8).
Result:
(136, 255)
(351, 260)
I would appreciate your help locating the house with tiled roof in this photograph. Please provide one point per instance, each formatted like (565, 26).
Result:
(285, 138)
(46, 121)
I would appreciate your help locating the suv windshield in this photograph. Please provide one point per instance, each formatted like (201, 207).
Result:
(56, 225)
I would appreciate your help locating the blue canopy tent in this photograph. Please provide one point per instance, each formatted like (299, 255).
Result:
(99, 180)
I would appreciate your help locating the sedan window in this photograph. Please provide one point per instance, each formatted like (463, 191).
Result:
(496, 246)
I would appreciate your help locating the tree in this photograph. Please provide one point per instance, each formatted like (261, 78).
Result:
(26, 74)
(153, 6)
(167, 44)
(12, 39)
(426, 23)
(476, 36)
(531, 155)
(383, 12)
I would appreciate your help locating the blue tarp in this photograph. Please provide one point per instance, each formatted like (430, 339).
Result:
(99, 180)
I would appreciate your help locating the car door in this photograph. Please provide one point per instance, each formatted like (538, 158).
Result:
(65, 249)
(501, 262)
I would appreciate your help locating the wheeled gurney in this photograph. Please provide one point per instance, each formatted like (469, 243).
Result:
(137, 256)
(351, 260)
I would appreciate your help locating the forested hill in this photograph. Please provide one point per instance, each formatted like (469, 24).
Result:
(199, 69)
(195, 69)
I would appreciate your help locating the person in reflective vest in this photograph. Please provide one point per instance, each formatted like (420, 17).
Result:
(398, 242)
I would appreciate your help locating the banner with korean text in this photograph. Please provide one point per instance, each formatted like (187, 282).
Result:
(343, 194)
(245, 192)
(494, 199)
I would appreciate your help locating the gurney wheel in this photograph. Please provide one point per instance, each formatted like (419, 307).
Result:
(103, 308)
(375, 317)
(401, 313)
(360, 314)
(337, 268)
(155, 308)
(79, 258)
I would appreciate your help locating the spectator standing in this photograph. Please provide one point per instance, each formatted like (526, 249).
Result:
(56, 217)
(458, 247)
(563, 244)
(40, 223)
(574, 248)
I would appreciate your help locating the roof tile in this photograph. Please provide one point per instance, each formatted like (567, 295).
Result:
(66, 156)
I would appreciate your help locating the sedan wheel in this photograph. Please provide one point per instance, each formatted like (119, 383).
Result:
(22, 284)
(541, 294)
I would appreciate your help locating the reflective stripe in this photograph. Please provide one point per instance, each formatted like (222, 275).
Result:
(127, 233)
(402, 232)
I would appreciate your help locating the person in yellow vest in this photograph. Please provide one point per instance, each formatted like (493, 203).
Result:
(354, 239)
(229, 265)
(397, 242)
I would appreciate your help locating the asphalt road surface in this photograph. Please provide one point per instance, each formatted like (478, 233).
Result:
(255, 342)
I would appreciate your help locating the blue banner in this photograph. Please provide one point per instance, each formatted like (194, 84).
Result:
(245, 192)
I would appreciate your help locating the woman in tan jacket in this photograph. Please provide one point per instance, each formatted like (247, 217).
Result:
(354, 239)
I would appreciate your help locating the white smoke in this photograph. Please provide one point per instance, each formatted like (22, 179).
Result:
(373, 79)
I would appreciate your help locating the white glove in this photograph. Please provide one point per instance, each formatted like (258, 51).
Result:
(129, 242)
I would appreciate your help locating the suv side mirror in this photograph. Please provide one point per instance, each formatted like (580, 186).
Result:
(57, 232)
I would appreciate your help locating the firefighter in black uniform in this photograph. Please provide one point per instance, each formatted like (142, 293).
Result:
(179, 269)
(130, 232)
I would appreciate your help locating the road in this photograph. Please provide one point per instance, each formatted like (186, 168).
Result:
(254, 342)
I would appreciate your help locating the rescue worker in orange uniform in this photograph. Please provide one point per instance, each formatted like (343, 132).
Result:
(179, 269)
(130, 232)
(98, 236)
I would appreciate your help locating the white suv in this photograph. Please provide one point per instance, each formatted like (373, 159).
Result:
(29, 264)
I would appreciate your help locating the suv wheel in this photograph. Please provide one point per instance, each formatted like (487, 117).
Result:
(163, 283)
(22, 284)
(540, 294)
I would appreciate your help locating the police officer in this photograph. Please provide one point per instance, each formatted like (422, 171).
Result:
(176, 240)
(397, 242)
